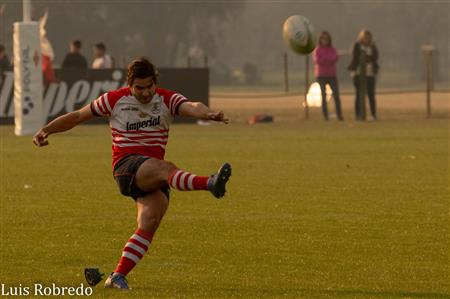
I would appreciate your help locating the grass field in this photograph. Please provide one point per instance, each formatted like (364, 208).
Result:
(314, 210)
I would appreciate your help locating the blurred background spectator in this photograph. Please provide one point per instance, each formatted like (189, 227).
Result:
(48, 54)
(74, 59)
(364, 50)
(325, 57)
(102, 60)
(5, 64)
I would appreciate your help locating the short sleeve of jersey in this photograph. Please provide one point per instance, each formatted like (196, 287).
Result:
(173, 100)
(104, 104)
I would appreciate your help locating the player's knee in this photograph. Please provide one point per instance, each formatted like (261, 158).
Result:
(165, 171)
(170, 166)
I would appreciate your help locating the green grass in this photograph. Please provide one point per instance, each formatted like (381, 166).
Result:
(314, 210)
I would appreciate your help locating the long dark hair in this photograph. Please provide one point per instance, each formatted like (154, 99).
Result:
(326, 34)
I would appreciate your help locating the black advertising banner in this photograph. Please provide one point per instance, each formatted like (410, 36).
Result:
(76, 88)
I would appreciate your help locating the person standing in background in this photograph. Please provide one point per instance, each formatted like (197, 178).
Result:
(325, 57)
(102, 60)
(75, 65)
(47, 52)
(74, 59)
(5, 64)
(366, 47)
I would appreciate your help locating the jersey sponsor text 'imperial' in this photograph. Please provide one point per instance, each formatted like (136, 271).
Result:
(138, 128)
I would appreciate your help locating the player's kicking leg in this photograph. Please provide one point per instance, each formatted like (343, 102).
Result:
(147, 181)
(150, 211)
(157, 174)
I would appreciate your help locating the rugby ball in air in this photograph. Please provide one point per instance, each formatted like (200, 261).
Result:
(298, 33)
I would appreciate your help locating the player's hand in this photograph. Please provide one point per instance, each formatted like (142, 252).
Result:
(40, 138)
(218, 116)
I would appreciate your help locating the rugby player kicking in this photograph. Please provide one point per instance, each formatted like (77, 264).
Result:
(139, 117)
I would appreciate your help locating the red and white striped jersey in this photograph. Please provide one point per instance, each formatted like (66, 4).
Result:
(138, 128)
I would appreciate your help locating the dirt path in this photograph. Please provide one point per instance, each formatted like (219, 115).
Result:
(289, 108)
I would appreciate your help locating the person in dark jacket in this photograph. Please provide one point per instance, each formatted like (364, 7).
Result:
(364, 50)
(74, 66)
(5, 64)
(74, 59)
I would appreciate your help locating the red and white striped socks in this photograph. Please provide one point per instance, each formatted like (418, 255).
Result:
(133, 251)
(185, 181)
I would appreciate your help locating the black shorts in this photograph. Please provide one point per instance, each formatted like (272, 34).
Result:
(124, 173)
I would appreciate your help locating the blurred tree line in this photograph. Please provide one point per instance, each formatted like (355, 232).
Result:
(242, 35)
(161, 30)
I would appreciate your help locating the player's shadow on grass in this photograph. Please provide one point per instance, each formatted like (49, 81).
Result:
(311, 293)
(371, 294)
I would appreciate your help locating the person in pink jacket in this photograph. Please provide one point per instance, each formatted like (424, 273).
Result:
(325, 57)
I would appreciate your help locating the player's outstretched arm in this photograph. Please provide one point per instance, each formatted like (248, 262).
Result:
(201, 111)
(63, 123)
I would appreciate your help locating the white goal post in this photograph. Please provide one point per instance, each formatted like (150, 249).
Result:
(28, 84)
